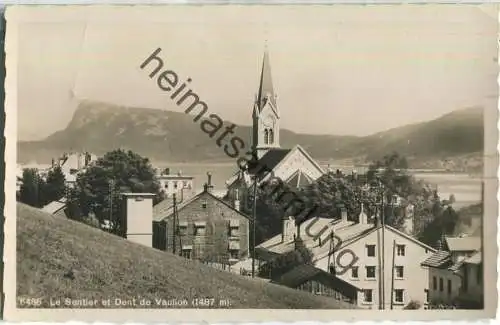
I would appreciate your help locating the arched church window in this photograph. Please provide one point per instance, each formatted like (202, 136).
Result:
(271, 136)
(266, 136)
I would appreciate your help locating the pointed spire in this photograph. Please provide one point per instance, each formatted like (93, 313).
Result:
(266, 89)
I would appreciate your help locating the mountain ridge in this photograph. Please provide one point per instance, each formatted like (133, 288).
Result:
(164, 136)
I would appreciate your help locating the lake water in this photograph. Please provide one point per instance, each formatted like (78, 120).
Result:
(466, 188)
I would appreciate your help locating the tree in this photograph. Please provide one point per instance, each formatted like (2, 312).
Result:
(444, 224)
(31, 188)
(98, 188)
(55, 187)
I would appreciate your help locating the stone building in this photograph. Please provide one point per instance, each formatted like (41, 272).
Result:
(207, 228)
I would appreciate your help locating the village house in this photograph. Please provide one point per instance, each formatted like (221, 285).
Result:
(455, 272)
(72, 163)
(381, 261)
(207, 228)
(176, 183)
(294, 166)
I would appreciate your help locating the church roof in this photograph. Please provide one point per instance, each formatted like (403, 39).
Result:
(266, 83)
(267, 162)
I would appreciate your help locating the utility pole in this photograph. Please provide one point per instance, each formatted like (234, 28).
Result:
(254, 221)
(393, 270)
(174, 229)
(383, 244)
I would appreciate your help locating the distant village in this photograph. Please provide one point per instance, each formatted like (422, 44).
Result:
(370, 264)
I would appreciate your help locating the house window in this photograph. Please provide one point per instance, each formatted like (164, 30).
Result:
(183, 229)
(233, 231)
(400, 250)
(368, 295)
(186, 253)
(175, 184)
(426, 295)
(434, 283)
(449, 287)
(234, 226)
(399, 296)
(370, 272)
(370, 250)
(354, 272)
(204, 204)
(199, 230)
(441, 284)
(399, 272)
(166, 185)
(234, 254)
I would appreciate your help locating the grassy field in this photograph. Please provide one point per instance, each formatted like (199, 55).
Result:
(58, 258)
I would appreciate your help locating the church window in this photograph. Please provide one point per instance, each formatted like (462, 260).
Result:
(271, 136)
(266, 136)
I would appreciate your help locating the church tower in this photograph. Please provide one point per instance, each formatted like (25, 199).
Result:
(266, 127)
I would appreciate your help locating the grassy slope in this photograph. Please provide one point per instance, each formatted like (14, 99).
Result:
(105, 266)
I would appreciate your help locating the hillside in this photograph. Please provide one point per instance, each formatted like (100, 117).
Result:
(164, 136)
(60, 258)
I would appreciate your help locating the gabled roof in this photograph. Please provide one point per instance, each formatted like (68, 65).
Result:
(463, 244)
(270, 160)
(440, 259)
(163, 208)
(303, 152)
(55, 206)
(360, 233)
(165, 211)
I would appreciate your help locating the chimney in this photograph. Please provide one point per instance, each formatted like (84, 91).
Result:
(138, 218)
(167, 171)
(343, 214)
(237, 200)
(179, 173)
(209, 187)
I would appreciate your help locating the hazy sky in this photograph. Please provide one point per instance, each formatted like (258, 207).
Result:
(336, 69)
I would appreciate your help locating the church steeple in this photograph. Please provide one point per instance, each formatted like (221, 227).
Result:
(266, 83)
(265, 113)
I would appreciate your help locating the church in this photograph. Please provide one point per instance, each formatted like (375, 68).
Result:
(293, 166)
